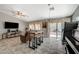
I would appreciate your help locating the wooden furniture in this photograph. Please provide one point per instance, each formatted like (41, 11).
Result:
(26, 37)
(36, 40)
(10, 34)
(0, 36)
(23, 39)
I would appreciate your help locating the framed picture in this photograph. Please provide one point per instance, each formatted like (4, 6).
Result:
(44, 24)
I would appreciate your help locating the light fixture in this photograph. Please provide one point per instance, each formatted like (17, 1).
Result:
(20, 14)
(51, 7)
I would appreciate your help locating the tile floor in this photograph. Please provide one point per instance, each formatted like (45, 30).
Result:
(14, 46)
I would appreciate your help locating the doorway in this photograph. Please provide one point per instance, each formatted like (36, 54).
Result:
(55, 29)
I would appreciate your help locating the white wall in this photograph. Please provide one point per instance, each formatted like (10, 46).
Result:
(75, 16)
(5, 17)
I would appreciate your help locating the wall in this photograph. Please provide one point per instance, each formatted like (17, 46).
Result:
(49, 27)
(75, 16)
(5, 17)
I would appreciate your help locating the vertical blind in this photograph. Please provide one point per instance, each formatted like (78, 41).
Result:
(35, 26)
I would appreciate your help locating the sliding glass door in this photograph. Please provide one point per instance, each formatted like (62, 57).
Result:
(52, 30)
(55, 30)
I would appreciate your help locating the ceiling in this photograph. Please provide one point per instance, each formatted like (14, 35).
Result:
(38, 11)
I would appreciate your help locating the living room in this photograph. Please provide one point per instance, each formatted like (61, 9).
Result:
(34, 28)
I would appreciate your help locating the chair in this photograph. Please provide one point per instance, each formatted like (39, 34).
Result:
(24, 38)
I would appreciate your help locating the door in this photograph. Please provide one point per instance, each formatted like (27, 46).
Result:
(52, 30)
(55, 30)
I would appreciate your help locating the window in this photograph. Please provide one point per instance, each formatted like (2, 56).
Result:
(31, 26)
(35, 26)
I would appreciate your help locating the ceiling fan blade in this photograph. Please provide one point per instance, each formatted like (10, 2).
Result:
(25, 16)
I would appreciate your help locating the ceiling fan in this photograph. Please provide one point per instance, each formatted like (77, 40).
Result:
(19, 13)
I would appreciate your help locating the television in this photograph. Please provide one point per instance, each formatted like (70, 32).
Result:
(10, 25)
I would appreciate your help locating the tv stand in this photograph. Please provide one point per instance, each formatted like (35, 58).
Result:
(10, 34)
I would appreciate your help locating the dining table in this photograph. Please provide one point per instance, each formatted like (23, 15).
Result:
(36, 39)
